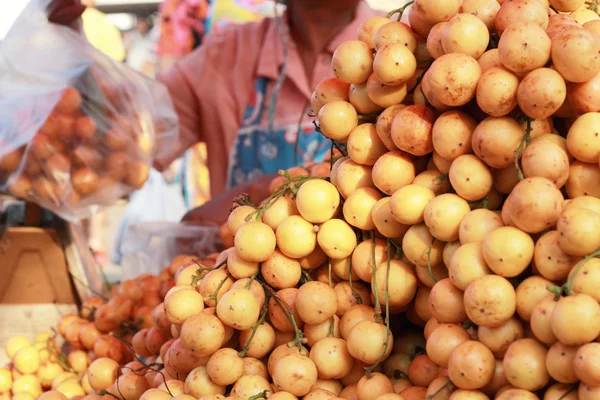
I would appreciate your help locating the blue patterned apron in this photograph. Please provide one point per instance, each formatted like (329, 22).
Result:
(257, 152)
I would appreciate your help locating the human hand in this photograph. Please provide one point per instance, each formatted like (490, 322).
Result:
(64, 12)
(218, 208)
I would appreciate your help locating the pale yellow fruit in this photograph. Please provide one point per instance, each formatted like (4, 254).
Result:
(317, 200)
(336, 238)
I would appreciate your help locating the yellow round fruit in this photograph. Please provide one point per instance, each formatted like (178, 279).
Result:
(508, 251)
(392, 171)
(485, 10)
(295, 374)
(402, 282)
(358, 208)
(466, 34)
(281, 271)
(496, 139)
(352, 62)
(367, 29)
(290, 230)
(443, 215)
(523, 47)
(360, 99)
(478, 306)
(336, 238)
(541, 93)
(497, 91)
(27, 360)
(198, 383)
(394, 64)
(579, 231)
(337, 119)
(317, 200)
(470, 177)
(28, 384)
(434, 40)
(582, 140)
(467, 264)
(15, 344)
(238, 309)
(384, 220)
(237, 218)
(574, 55)
(536, 204)
(316, 302)
(351, 176)
(489, 59)
(5, 380)
(395, 32)
(453, 78)
(278, 211)
(364, 145)
(546, 159)
(383, 95)
(408, 203)
(420, 247)
(255, 241)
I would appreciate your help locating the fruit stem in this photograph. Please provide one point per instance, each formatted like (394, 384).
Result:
(107, 393)
(444, 386)
(261, 395)
(557, 290)
(331, 328)
(388, 331)
(292, 185)
(567, 288)
(442, 178)
(524, 142)
(397, 374)
(398, 254)
(571, 390)
(141, 361)
(354, 292)
(243, 199)
(374, 280)
(338, 146)
(483, 202)
(252, 278)
(216, 292)
(61, 358)
(92, 290)
(429, 261)
(331, 157)
(306, 276)
(201, 268)
(400, 10)
(260, 321)
(289, 315)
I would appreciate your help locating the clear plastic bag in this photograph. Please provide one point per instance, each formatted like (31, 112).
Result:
(156, 201)
(77, 129)
(149, 247)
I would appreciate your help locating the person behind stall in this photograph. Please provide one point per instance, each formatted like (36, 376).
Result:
(140, 45)
(245, 89)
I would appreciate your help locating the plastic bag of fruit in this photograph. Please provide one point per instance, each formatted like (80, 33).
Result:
(148, 246)
(77, 129)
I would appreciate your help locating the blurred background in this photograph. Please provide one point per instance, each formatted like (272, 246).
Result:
(150, 36)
